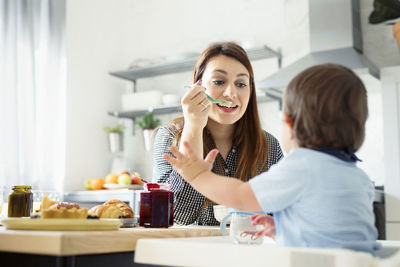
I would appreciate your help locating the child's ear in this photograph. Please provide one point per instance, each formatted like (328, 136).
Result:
(288, 120)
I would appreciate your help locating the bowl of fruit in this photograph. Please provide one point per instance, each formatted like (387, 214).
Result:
(124, 179)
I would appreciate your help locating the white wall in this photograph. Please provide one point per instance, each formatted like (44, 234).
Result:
(372, 151)
(103, 36)
(391, 110)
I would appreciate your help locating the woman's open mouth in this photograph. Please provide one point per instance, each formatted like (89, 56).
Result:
(227, 108)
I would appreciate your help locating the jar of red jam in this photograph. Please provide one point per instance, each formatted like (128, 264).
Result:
(157, 206)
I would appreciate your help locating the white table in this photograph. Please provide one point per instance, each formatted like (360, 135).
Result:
(220, 251)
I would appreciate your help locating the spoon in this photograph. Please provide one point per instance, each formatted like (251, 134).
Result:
(212, 99)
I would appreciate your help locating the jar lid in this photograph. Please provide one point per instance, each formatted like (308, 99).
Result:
(22, 187)
(157, 186)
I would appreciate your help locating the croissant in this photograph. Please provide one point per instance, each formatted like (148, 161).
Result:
(112, 209)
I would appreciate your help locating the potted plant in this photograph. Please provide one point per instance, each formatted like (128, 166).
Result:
(148, 123)
(115, 138)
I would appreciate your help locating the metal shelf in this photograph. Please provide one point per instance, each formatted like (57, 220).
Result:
(138, 113)
(132, 114)
(185, 65)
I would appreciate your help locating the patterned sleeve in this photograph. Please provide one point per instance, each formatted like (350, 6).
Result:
(274, 150)
(188, 202)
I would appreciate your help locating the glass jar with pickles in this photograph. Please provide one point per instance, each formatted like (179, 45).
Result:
(20, 201)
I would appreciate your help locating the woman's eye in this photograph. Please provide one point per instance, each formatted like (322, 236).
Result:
(218, 82)
(241, 85)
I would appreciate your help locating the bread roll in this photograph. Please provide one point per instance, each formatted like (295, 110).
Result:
(127, 211)
(112, 209)
(103, 211)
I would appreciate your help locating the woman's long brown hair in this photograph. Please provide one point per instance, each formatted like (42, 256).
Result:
(248, 136)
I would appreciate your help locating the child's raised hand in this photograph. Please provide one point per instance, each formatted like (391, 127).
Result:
(189, 166)
(267, 221)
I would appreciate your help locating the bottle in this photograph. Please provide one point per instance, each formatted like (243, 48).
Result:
(20, 201)
(157, 206)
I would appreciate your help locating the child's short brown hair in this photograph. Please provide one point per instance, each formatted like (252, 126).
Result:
(327, 105)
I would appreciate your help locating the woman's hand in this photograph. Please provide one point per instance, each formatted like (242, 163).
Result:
(195, 107)
(267, 221)
(189, 166)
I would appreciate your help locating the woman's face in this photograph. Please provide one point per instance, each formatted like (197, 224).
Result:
(226, 78)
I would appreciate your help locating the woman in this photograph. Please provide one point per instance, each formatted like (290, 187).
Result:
(223, 71)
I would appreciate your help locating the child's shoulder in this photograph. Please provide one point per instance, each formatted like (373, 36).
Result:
(296, 162)
(308, 159)
(312, 154)
(319, 162)
(304, 153)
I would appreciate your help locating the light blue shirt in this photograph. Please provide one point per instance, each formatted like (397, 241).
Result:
(318, 200)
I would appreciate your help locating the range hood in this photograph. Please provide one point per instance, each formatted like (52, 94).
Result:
(335, 37)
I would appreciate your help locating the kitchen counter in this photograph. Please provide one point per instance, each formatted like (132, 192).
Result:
(62, 243)
(87, 247)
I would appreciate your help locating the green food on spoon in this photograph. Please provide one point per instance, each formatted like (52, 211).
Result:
(212, 99)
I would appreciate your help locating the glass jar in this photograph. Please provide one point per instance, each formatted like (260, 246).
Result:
(20, 201)
(157, 206)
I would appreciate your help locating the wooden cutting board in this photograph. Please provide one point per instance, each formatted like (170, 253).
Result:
(64, 243)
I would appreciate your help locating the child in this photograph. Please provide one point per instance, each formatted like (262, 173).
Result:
(317, 194)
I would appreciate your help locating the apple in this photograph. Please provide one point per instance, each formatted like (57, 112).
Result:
(111, 178)
(124, 172)
(135, 179)
(86, 183)
(124, 179)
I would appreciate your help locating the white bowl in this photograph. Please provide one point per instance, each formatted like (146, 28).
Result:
(170, 99)
(220, 212)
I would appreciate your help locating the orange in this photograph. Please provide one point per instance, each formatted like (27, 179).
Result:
(111, 178)
(96, 183)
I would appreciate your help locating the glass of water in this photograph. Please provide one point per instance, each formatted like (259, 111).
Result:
(38, 196)
(242, 231)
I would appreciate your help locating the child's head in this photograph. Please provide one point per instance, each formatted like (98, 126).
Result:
(326, 106)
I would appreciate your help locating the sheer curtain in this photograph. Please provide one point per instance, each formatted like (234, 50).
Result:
(32, 87)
